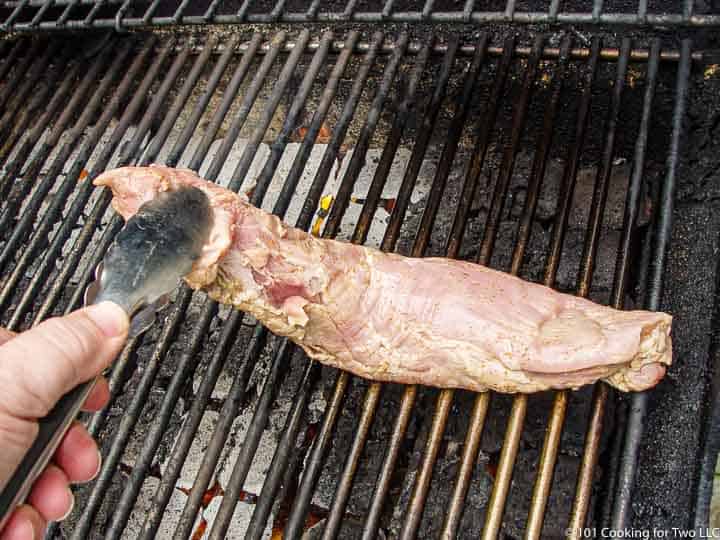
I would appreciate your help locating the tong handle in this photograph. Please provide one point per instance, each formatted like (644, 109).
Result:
(52, 429)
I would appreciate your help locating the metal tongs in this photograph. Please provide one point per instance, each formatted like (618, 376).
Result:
(153, 251)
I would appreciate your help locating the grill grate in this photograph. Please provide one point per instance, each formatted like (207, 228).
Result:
(31, 15)
(212, 107)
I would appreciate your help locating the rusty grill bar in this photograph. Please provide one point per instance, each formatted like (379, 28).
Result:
(31, 15)
(145, 98)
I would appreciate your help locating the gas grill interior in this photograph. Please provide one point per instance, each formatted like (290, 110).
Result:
(558, 141)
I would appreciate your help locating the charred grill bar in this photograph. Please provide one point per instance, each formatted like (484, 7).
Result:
(467, 111)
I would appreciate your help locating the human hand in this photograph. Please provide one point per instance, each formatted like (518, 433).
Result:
(37, 368)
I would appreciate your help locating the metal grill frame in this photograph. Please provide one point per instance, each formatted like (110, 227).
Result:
(69, 18)
(34, 241)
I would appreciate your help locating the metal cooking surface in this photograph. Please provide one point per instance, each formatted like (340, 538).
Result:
(31, 15)
(539, 157)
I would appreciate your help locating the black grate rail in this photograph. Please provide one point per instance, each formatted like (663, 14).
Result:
(544, 158)
(33, 15)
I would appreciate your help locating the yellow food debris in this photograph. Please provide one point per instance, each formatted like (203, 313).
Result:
(317, 226)
(322, 212)
(711, 70)
(325, 204)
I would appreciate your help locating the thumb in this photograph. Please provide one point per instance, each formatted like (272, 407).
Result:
(41, 365)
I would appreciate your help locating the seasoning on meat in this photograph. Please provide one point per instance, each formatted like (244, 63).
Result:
(431, 321)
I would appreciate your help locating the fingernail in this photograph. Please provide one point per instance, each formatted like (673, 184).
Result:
(110, 317)
(70, 509)
(29, 526)
(97, 471)
(94, 475)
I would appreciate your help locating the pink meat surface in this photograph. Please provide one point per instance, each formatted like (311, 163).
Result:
(431, 321)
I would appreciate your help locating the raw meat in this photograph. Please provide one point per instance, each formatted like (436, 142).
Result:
(431, 321)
